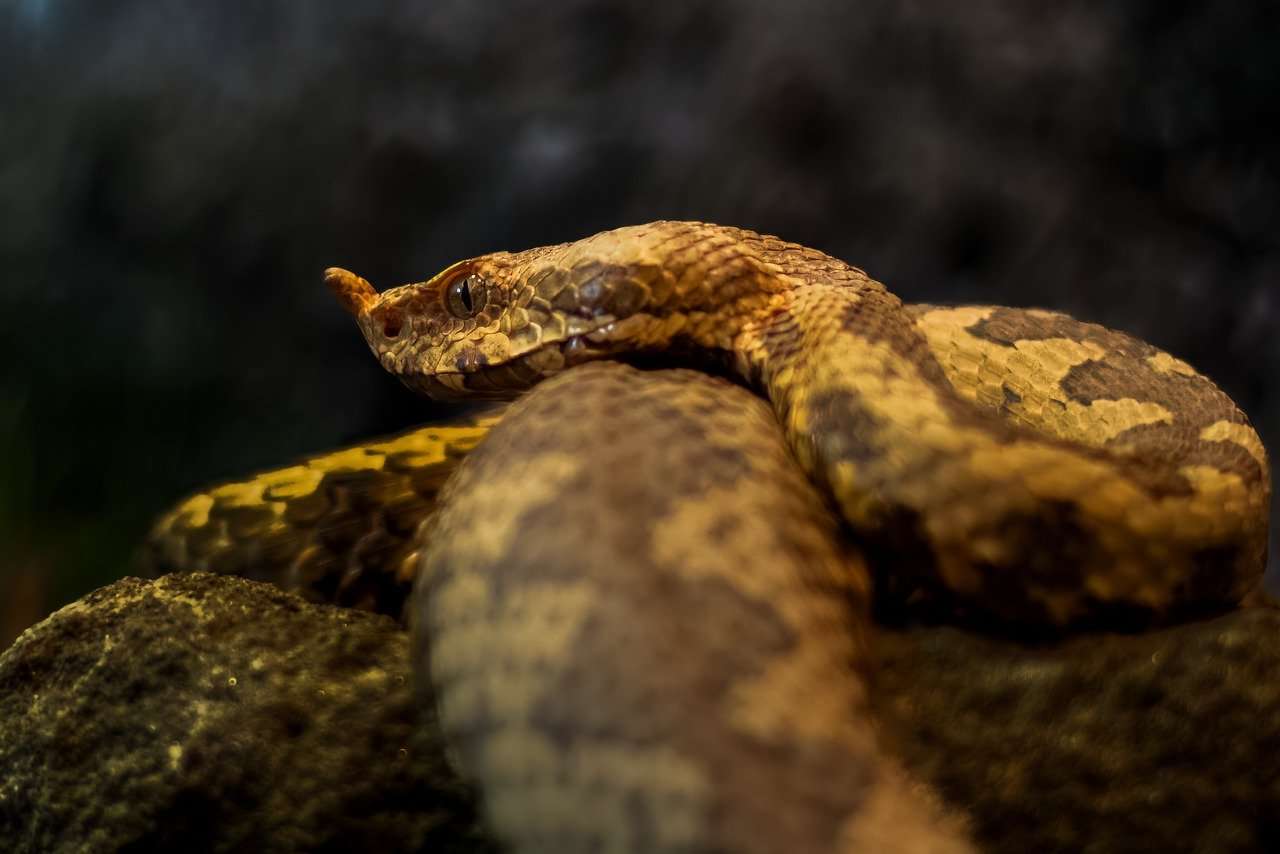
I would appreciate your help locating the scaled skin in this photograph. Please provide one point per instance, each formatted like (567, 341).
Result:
(659, 652)
(1150, 478)
(683, 649)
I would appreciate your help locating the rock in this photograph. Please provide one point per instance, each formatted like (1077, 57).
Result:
(210, 713)
(213, 714)
(1161, 741)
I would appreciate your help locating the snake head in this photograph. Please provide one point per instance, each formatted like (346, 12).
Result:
(488, 326)
(494, 325)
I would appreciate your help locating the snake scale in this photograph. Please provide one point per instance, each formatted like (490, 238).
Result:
(647, 627)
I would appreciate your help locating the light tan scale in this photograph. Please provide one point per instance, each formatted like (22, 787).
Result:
(1004, 464)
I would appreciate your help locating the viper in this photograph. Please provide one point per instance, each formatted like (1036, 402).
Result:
(643, 592)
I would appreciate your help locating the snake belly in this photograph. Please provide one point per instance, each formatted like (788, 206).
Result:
(1007, 462)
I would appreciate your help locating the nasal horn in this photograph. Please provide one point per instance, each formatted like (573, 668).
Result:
(354, 292)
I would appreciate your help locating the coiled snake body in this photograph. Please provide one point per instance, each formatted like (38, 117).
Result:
(646, 631)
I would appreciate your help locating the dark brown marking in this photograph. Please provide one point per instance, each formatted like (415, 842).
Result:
(842, 427)
(656, 442)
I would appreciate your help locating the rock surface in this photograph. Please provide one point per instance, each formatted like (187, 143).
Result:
(207, 713)
(213, 714)
(1162, 741)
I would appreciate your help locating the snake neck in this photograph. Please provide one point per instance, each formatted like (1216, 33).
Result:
(853, 383)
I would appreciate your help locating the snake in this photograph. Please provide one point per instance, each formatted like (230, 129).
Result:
(643, 593)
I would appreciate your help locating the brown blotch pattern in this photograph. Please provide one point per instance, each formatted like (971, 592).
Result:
(1129, 370)
(727, 612)
(645, 626)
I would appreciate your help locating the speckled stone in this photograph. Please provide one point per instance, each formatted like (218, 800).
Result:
(206, 713)
(1162, 741)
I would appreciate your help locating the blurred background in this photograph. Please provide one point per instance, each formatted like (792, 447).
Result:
(175, 175)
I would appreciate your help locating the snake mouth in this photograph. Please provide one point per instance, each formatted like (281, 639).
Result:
(473, 378)
(470, 376)
(577, 349)
(455, 385)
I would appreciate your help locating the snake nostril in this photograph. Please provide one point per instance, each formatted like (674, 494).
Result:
(391, 324)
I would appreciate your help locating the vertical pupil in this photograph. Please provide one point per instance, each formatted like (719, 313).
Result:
(464, 291)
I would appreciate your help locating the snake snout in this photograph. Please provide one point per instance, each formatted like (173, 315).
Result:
(354, 292)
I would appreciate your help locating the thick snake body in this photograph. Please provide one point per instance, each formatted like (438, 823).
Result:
(1005, 463)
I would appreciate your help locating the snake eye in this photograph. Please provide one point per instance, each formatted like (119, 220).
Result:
(466, 296)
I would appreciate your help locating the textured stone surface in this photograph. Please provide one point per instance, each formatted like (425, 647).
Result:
(211, 713)
(120, 728)
(1165, 741)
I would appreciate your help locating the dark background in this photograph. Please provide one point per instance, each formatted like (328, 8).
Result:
(175, 175)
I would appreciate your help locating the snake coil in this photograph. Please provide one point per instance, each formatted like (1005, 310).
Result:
(646, 630)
